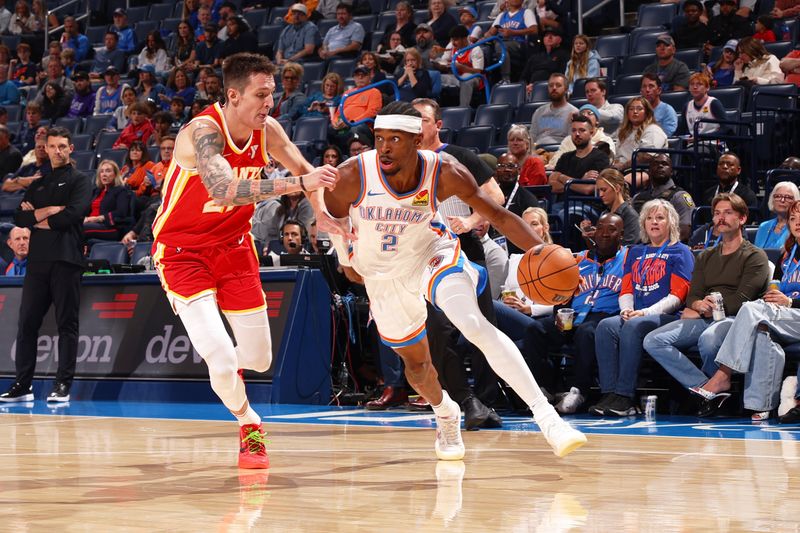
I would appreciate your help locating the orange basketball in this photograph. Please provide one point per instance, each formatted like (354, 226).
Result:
(548, 274)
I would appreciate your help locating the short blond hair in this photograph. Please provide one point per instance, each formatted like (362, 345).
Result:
(672, 218)
(541, 214)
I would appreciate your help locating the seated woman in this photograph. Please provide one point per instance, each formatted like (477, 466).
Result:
(332, 156)
(371, 61)
(109, 211)
(291, 101)
(178, 84)
(583, 63)
(323, 103)
(415, 82)
(639, 130)
(614, 192)
(722, 70)
(391, 53)
(136, 172)
(756, 66)
(532, 170)
(655, 282)
(774, 232)
(752, 347)
(55, 102)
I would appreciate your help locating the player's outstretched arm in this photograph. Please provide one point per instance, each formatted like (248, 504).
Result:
(336, 203)
(217, 174)
(456, 180)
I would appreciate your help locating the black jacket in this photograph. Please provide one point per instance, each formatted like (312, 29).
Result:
(115, 206)
(63, 242)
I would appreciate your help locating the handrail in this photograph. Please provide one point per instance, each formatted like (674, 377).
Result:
(56, 9)
(481, 75)
(361, 90)
(582, 14)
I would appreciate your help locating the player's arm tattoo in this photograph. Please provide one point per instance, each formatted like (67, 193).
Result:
(217, 174)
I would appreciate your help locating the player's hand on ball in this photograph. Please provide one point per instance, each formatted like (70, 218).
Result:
(324, 176)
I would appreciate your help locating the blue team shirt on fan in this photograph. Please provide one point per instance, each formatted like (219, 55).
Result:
(514, 22)
(600, 284)
(651, 275)
(790, 280)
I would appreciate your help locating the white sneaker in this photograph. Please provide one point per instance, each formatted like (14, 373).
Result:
(570, 402)
(788, 391)
(449, 446)
(563, 438)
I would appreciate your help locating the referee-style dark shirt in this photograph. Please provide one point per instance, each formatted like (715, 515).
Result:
(63, 242)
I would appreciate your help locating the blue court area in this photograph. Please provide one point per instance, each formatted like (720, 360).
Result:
(661, 426)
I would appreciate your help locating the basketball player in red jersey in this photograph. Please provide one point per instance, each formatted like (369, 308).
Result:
(203, 250)
(406, 255)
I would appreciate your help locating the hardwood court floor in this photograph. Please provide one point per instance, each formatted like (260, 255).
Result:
(81, 473)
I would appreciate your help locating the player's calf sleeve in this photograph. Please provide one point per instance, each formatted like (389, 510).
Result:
(253, 340)
(209, 337)
(455, 296)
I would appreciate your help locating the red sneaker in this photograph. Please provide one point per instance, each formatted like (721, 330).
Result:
(241, 374)
(252, 448)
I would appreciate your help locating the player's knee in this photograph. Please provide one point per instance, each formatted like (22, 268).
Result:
(417, 370)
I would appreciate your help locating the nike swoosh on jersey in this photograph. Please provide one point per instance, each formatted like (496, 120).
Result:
(370, 193)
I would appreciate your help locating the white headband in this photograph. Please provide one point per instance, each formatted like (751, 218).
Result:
(399, 122)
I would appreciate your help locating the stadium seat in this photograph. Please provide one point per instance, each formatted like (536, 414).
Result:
(310, 129)
(325, 24)
(84, 160)
(655, 14)
(539, 92)
(269, 34)
(613, 45)
(456, 117)
(579, 87)
(525, 112)
(142, 28)
(609, 66)
(73, 125)
(160, 11)
(105, 140)
(630, 84)
(96, 34)
(82, 141)
(115, 253)
(313, 71)
(780, 48)
(644, 40)
(369, 22)
(137, 14)
(14, 112)
(256, 17)
(277, 15)
(495, 115)
(512, 93)
(342, 67)
(436, 83)
(169, 25)
(690, 56)
(636, 64)
(729, 97)
(116, 155)
(676, 99)
(140, 251)
(386, 20)
(478, 137)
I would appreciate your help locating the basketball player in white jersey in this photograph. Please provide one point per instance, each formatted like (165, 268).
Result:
(405, 255)
(203, 249)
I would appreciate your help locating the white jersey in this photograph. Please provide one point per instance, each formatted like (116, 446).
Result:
(693, 115)
(396, 232)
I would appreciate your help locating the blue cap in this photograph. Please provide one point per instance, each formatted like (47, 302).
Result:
(590, 107)
(148, 68)
(469, 9)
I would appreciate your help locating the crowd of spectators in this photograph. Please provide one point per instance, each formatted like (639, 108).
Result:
(125, 94)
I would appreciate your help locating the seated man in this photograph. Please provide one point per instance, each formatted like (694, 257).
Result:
(739, 272)
(31, 172)
(673, 73)
(294, 239)
(108, 56)
(83, 99)
(595, 299)
(550, 123)
(298, 40)
(18, 240)
(661, 186)
(585, 162)
(728, 171)
(345, 39)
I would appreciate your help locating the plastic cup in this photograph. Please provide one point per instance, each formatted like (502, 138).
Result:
(565, 317)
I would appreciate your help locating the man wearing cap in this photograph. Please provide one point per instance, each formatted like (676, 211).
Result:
(208, 52)
(423, 35)
(514, 25)
(728, 24)
(109, 96)
(82, 104)
(468, 17)
(551, 58)
(693, 33)
(108, 56)
(298, 40)
(127, 38)
(74, 39)
(610, 115)
(568, 145)
(344, 39)
(673, 73)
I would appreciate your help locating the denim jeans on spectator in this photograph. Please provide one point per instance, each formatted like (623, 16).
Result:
(618, 344)
(756, 354)
(667, 343)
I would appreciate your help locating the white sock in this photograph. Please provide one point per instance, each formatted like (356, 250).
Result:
(249, 417)
(447, 407)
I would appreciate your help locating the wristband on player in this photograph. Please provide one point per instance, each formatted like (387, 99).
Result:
(302, 185)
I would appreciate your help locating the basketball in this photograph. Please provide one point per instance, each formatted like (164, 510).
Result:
(548, 274)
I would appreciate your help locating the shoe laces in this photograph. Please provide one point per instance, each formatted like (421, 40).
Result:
(255, 441)
(449, 428)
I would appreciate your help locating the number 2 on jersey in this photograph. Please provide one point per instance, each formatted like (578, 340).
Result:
(389, 243)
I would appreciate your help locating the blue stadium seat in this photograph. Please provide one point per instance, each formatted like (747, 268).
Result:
(286, 123)
(105, 140)
(525, 112)
(613, 45)
(495, 115)
(269, 34)
(780, 48)
(256, 17)
(446, 135)
(137, 14)
(71, 124)
(609, 66)
(369, 22)
(436, 83)
(14, 112)
(729, 97)
(84, 160)
(539, 92)
(479, 137)
(313, 71)
(677, 99)
(342, 67)
(160, 12)
(655, 14)
(143, 27)
(82, 141)
(140, 251)
(96, 34)
(421, 15)
(456, 117)
(636, 64)
(325, 24)
(277, 15)
(116, 155)
(375, 39)
(96, 123)
(644, 40)
(512, 93)
(630, 84)
(484, 9)
(169, 25)
(386, 20)
(115, 253)
(690, 56)
(310, 129)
